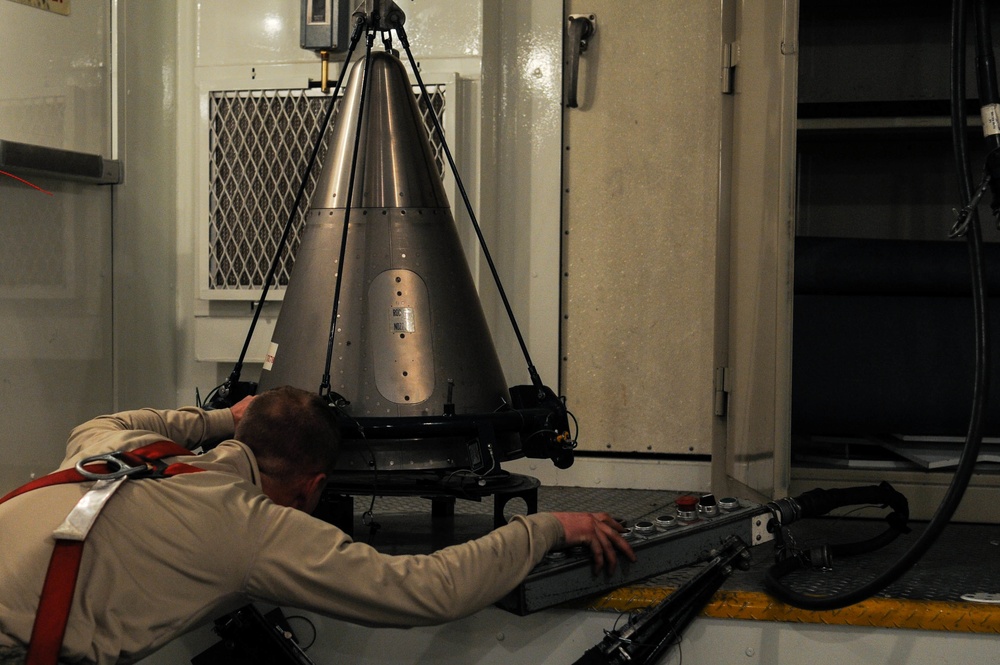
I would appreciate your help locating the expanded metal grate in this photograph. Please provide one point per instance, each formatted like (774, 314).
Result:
(260, 142)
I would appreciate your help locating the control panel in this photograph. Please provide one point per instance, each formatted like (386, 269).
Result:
(684, 535)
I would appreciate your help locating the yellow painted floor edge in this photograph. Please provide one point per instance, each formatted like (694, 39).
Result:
(874, 612)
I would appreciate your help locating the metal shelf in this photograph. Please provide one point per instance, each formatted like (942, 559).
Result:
(852, 124)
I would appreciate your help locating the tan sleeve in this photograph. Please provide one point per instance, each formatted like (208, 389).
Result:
(307, 563)
(190, 427)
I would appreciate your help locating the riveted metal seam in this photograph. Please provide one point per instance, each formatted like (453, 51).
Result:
(874, 612)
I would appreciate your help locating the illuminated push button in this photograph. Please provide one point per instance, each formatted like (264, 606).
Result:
(664, 522)
(556, 555)
(645, 528)
(708, 506)
(687, 508)
(729, 503)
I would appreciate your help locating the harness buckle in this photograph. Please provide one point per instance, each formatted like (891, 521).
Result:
(120, 467)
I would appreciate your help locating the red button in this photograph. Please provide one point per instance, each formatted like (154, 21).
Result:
(686, 502)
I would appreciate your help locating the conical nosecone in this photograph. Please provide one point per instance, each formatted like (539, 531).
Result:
(396, 167)
(410, 329)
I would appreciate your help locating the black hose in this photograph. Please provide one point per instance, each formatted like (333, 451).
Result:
(981, 380)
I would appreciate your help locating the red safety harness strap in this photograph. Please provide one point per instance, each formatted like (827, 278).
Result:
(152, 452)
(56, 478)
(60, 581)
(53, 608)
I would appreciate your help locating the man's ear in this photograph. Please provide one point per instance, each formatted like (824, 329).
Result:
(311, 492)
(316, 483)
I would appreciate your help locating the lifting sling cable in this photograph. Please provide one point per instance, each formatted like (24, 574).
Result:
(56, 598)
(324, 388)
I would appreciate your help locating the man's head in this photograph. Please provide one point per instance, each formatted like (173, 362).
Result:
(295, 435)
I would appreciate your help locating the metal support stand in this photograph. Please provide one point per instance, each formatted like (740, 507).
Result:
(528, 492)
(443, 507)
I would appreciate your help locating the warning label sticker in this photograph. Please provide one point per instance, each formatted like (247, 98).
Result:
(272, 351)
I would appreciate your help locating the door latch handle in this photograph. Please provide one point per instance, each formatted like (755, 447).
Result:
(581, 27)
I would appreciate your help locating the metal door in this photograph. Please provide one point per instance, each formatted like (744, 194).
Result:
(644, 288)
(764, 60)
(678, 167)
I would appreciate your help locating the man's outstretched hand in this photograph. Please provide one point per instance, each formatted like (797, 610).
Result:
(601, 533)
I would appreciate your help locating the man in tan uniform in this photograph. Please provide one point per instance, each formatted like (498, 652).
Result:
(168, 555)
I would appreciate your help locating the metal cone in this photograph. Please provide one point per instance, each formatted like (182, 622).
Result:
(410, 328)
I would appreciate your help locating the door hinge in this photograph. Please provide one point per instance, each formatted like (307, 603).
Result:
(730, 58)
(722, 375)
